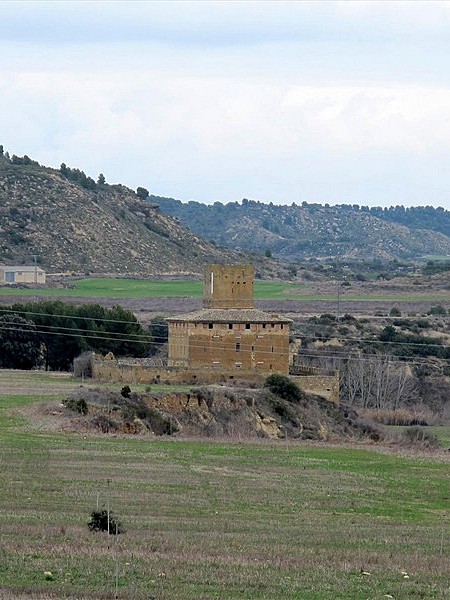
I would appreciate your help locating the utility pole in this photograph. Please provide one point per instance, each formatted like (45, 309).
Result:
(338, 307)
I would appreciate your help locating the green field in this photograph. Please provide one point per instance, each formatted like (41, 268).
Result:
(147, 288)
(143, 288)
(212, 519)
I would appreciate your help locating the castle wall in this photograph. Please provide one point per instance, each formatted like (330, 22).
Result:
(322, 385)
(114, 371)
(262, 347)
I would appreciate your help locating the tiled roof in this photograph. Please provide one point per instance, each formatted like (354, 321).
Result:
(229, 315)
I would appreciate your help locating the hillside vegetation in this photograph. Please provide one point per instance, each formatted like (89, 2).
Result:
(75, 224)
(313, 231)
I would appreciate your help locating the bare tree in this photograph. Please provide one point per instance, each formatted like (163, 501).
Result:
(376, 382)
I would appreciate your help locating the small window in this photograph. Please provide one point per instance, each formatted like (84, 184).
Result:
(230, 325)
(210, 325)
(247, 326)
(281, 326)
(238, 346)
(264, 325)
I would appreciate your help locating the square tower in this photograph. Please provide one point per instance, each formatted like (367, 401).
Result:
(228, 286)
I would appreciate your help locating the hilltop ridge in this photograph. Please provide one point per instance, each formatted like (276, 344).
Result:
(88, 227)
(315, 231)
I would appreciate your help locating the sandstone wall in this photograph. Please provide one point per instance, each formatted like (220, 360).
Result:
(114, 371)
(322, 385)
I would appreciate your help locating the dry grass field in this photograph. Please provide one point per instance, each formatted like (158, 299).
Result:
(209, 519)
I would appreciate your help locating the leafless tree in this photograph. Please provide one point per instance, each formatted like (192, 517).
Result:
(376, 382)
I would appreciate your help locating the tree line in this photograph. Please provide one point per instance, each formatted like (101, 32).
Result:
(51, 334)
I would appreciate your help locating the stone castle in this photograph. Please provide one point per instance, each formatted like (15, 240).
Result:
(229, 333)
(227, 339)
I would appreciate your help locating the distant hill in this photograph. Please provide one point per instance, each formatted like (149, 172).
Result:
(76, 224)
(313, 231)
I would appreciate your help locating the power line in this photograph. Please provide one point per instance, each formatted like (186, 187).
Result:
(65, 316)
(366, 357)
(41, 328)
(142, 338)
(83, 335)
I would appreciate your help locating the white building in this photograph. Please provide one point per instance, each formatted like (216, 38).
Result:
(21, 274)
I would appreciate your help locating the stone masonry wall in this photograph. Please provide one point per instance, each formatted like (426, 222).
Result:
(114, 371)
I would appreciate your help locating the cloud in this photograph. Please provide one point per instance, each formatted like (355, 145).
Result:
(220, 100)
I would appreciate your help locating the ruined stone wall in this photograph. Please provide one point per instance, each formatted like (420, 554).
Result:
(114, 371)
(322, 385)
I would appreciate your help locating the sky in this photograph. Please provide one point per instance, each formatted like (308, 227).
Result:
(341, 102)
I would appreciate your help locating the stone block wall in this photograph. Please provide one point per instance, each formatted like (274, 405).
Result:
(129, 372)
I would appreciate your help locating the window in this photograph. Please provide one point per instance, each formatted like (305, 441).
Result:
(247, 326)
(230, 325)
(210, 325)
(264, 325)
(238, 346)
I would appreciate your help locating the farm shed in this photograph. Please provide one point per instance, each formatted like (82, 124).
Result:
(21, 274)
